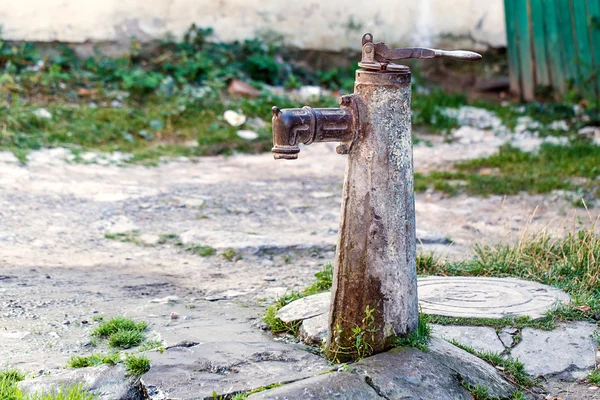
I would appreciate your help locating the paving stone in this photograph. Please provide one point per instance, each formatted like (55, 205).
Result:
(482, 297)
(104, 382)
(337, 385)
(568, 351)
(313, 330)
(403, 373)
(481, 338)
(305, 307)
(226, 367)
(507, 336)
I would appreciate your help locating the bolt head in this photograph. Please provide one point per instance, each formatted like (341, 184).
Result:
(342, 149)
(344, 100)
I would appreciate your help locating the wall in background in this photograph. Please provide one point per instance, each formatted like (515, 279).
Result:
(309, 24)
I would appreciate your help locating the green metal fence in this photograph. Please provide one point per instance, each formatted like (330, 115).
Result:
(554, 44)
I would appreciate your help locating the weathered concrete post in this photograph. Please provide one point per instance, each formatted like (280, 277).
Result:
(374, 296)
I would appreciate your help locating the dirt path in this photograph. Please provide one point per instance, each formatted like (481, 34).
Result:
(57, 269)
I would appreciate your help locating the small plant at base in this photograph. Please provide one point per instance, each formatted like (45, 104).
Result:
(419, 338)
(93, 360)
(275, 324)
(137, 365)
(362, 338)
(594, 377)
(365, 335)
(322, 284)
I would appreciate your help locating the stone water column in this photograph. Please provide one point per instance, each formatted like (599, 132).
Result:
(375, 281)
(374, 296)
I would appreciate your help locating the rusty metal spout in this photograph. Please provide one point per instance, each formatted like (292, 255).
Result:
(293, 126)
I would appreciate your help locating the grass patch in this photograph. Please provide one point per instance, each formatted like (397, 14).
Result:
(137, 365)
(594, 377)
(10, 391)
(231, 255)
(513, 370)
(322, 284)
(114, 325)
(480, 392)
(93, 360)
(419, 338)
(573, 167)
(125, 237)
(125, 339)
(547, 323)
(202, 251)
(121, 332)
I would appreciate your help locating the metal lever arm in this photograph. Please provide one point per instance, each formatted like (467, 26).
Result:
(379, 57)
(382, 52)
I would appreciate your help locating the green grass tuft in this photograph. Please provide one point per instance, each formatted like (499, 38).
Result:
(594, 377)
(122, 332)
(125, 339)
(231, 255)
(322, 284)
(514, 370)
(10, 391)
(125, 237)
(419, 338)
(202, 251)
(113, 325)
(137, 365)
(93, 360)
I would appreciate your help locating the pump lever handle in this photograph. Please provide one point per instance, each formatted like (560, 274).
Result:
(377, 56)
(382, 52)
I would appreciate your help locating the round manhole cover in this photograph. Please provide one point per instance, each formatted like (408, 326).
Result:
(480, 297)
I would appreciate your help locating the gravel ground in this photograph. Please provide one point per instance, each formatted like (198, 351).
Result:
(58, 270)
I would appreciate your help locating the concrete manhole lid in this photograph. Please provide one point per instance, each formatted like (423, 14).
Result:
(481, 297)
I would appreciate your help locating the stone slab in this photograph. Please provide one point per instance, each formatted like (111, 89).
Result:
(305, 307)
(481, 338)
(104, 382)
(507, 336)
(403, 373)
(313, 330)
(454, 296)
(225, 368)
(337, 385)
(483, 297)
(568, 351)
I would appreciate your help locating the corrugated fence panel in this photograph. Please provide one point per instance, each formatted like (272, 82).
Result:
(556, 62)
(583, 49)
(593, 7)
(554, 43)
(524, 40)
(539, 42)
(512, 47)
